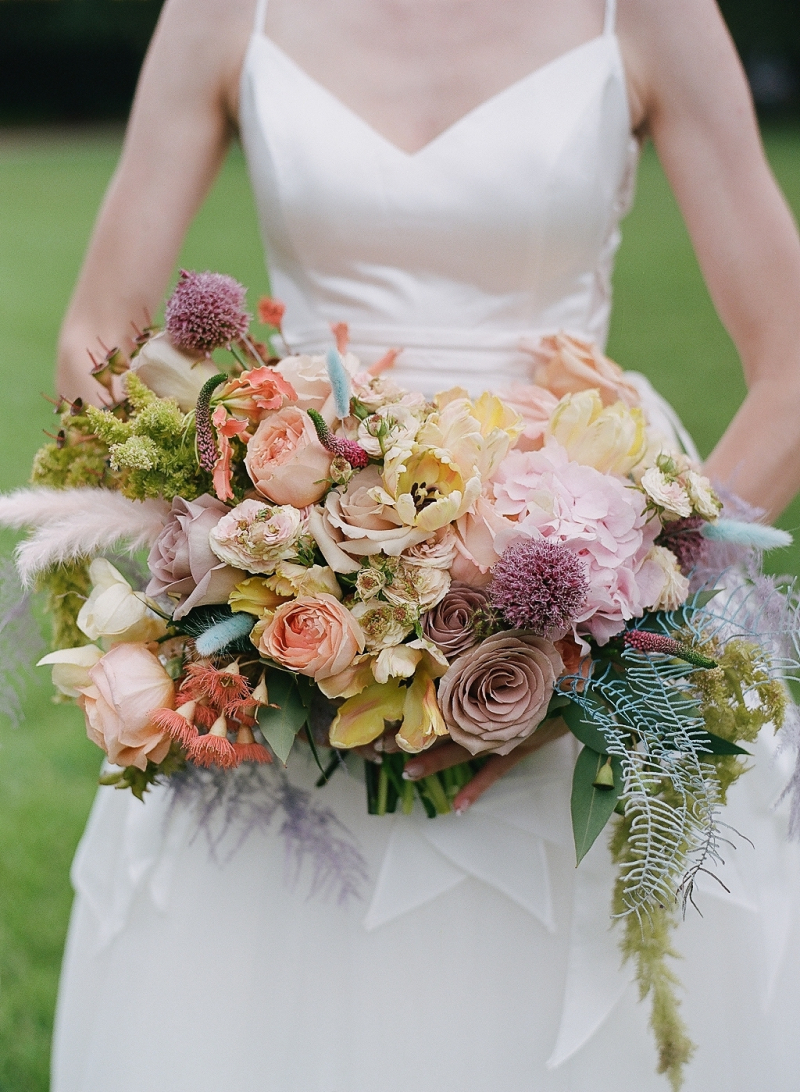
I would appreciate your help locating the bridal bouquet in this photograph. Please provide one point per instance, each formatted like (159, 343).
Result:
(333, 555)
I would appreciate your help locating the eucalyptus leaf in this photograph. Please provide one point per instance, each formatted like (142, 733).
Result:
(592, 807)
(584, 727)
(280, 726)
(719, 746)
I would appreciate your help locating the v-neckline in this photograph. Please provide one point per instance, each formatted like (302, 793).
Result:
(454, 126)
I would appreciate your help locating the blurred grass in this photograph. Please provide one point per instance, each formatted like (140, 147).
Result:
(664, 325)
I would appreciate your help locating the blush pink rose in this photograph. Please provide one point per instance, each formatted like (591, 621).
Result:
(566, 365)
(313, 635)
(286, 462)
(599, 517)
(127, 684)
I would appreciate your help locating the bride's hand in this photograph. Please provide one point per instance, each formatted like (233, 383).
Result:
(446, 754)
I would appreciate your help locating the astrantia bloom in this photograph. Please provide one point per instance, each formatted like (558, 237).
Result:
(206, 311)
(539, 585)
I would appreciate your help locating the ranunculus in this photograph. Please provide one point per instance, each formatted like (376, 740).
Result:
(313, 635)
(675, 587)
(357, 522)
(170, 373)
(451, 623)
(308, 376)
(599, 517)
(255, 392)
(127, 685)
(611, 439)
(495, 695)
(568, 364)
(114, 610)
(535, 406)
(183, 565)
(256, 536)
(286, 462)
(71, 668)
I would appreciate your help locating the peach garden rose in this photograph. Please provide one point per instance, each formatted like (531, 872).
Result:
(126, 685)
(286, 462)
(313, 635)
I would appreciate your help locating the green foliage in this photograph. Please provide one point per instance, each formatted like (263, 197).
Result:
(721, 698)
(592, 802)
(139, 781)
(647, 943)
(280, 725)
(153, 449)
(78, 458)
(66, 588)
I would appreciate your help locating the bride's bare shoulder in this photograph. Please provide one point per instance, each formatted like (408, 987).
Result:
(679, 56)
(204, 39)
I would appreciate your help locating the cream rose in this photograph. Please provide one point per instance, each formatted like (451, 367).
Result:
(286, 462)
(126, 686)
(675, 587)
(308, 375)
(313, 635)
(114, 610)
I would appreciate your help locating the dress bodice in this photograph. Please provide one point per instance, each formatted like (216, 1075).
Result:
(499, 230)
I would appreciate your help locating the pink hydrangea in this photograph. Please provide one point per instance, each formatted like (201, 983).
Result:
(598, 516)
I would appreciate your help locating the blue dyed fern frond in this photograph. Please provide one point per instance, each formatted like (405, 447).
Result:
(340, 383)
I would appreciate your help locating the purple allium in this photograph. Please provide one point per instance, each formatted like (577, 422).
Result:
(206, 311)
(348, 450)
(539, 585)
(683, 537)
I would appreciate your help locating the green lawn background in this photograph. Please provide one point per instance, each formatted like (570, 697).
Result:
(50, 187)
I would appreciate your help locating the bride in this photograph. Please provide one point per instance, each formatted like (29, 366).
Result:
(447, 176)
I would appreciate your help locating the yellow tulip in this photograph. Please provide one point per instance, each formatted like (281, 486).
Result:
(363, 717)
(612, 439)
(422, 719)
(254, 596)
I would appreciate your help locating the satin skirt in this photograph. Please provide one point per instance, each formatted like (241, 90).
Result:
(477, 959)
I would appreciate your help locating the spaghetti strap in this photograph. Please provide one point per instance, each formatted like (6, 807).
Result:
(610, 25)
(260, 15)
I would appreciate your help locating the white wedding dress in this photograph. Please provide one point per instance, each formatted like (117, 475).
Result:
(478, 958)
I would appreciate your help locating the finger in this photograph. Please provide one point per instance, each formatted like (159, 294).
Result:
(388, 744)
(501, 764)
(438, 758)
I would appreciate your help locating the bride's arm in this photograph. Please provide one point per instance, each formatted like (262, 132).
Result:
(176, 140)
(693, 94)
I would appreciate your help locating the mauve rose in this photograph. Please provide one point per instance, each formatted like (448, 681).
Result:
(127, 684)
(286, 462)
(495, 695)
(450, 624)
(182, 563)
